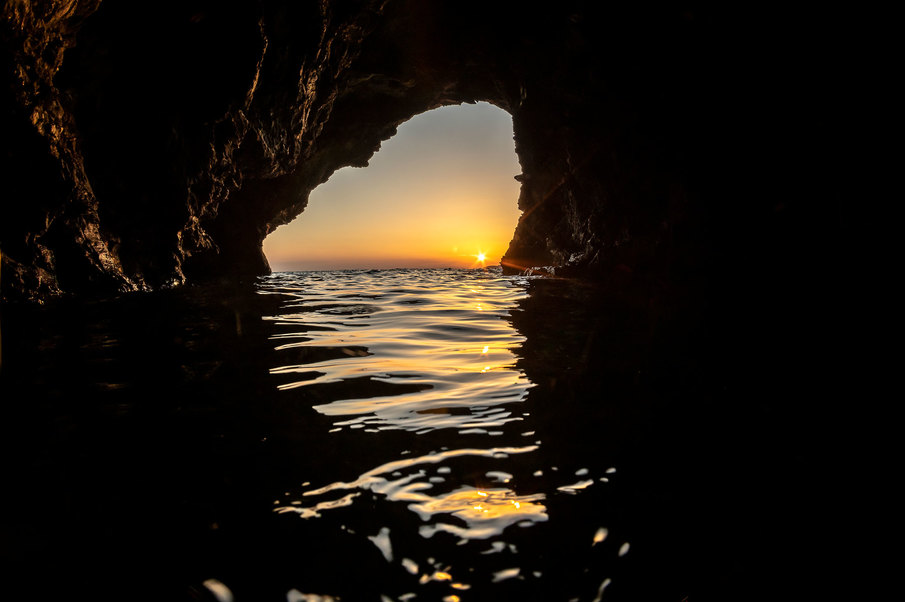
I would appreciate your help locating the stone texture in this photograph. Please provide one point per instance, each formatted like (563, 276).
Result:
(147, 144)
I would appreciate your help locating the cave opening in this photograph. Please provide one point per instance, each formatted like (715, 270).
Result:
(440, 193)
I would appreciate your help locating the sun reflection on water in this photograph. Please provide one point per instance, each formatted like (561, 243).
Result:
(402, 481)
(468, 513)
(432, 364)
(418, 356)
(485, 512)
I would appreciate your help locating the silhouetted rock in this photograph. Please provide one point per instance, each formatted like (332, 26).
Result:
(147, 144)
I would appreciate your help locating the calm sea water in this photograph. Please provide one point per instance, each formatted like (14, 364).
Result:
(364, 435)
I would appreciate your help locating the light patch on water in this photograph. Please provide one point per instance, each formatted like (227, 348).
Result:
(599, 536)
(435, 576)
(372, 480)
(382, 541)
(603, 586)
(506, 574)
(575, 487)
(219, 590)
(295, 595)
(623, 549)
(410, 565)
(486, 513)
(314, 511)
(499, 476)
(496, 547)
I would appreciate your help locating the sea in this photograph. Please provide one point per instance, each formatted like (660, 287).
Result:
(410, 434)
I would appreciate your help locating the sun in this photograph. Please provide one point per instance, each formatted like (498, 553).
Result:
(480, 258)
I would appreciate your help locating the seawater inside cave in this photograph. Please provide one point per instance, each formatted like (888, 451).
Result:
(376, 434)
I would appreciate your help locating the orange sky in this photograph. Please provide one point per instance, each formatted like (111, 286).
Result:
(435, 195)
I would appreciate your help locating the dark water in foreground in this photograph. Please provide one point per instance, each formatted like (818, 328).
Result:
(392, 435)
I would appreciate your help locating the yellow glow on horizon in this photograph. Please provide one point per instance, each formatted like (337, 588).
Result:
(441, 193)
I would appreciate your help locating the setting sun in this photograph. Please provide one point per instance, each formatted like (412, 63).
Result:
(481, 257)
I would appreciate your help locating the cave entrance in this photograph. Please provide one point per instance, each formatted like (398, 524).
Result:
(437, 194)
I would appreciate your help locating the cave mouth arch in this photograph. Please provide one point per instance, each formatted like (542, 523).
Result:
(439, 192)
(142, 166)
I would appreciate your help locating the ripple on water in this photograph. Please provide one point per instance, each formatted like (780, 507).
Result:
(432, 357)
(456, 356)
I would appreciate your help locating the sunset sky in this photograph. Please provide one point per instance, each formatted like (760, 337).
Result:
(436, 194)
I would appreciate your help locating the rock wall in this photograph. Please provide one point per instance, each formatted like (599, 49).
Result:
(151, 143)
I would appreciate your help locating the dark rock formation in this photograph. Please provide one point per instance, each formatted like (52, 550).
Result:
(147, 144)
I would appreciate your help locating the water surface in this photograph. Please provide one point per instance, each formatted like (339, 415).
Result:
(367, 435)
(418, 369)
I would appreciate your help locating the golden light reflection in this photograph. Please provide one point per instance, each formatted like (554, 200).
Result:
(429, 398)
(599, 536)
(486, 512)
(444, 576)
(444, 380)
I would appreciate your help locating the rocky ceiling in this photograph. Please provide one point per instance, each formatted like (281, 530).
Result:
(152, 143)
